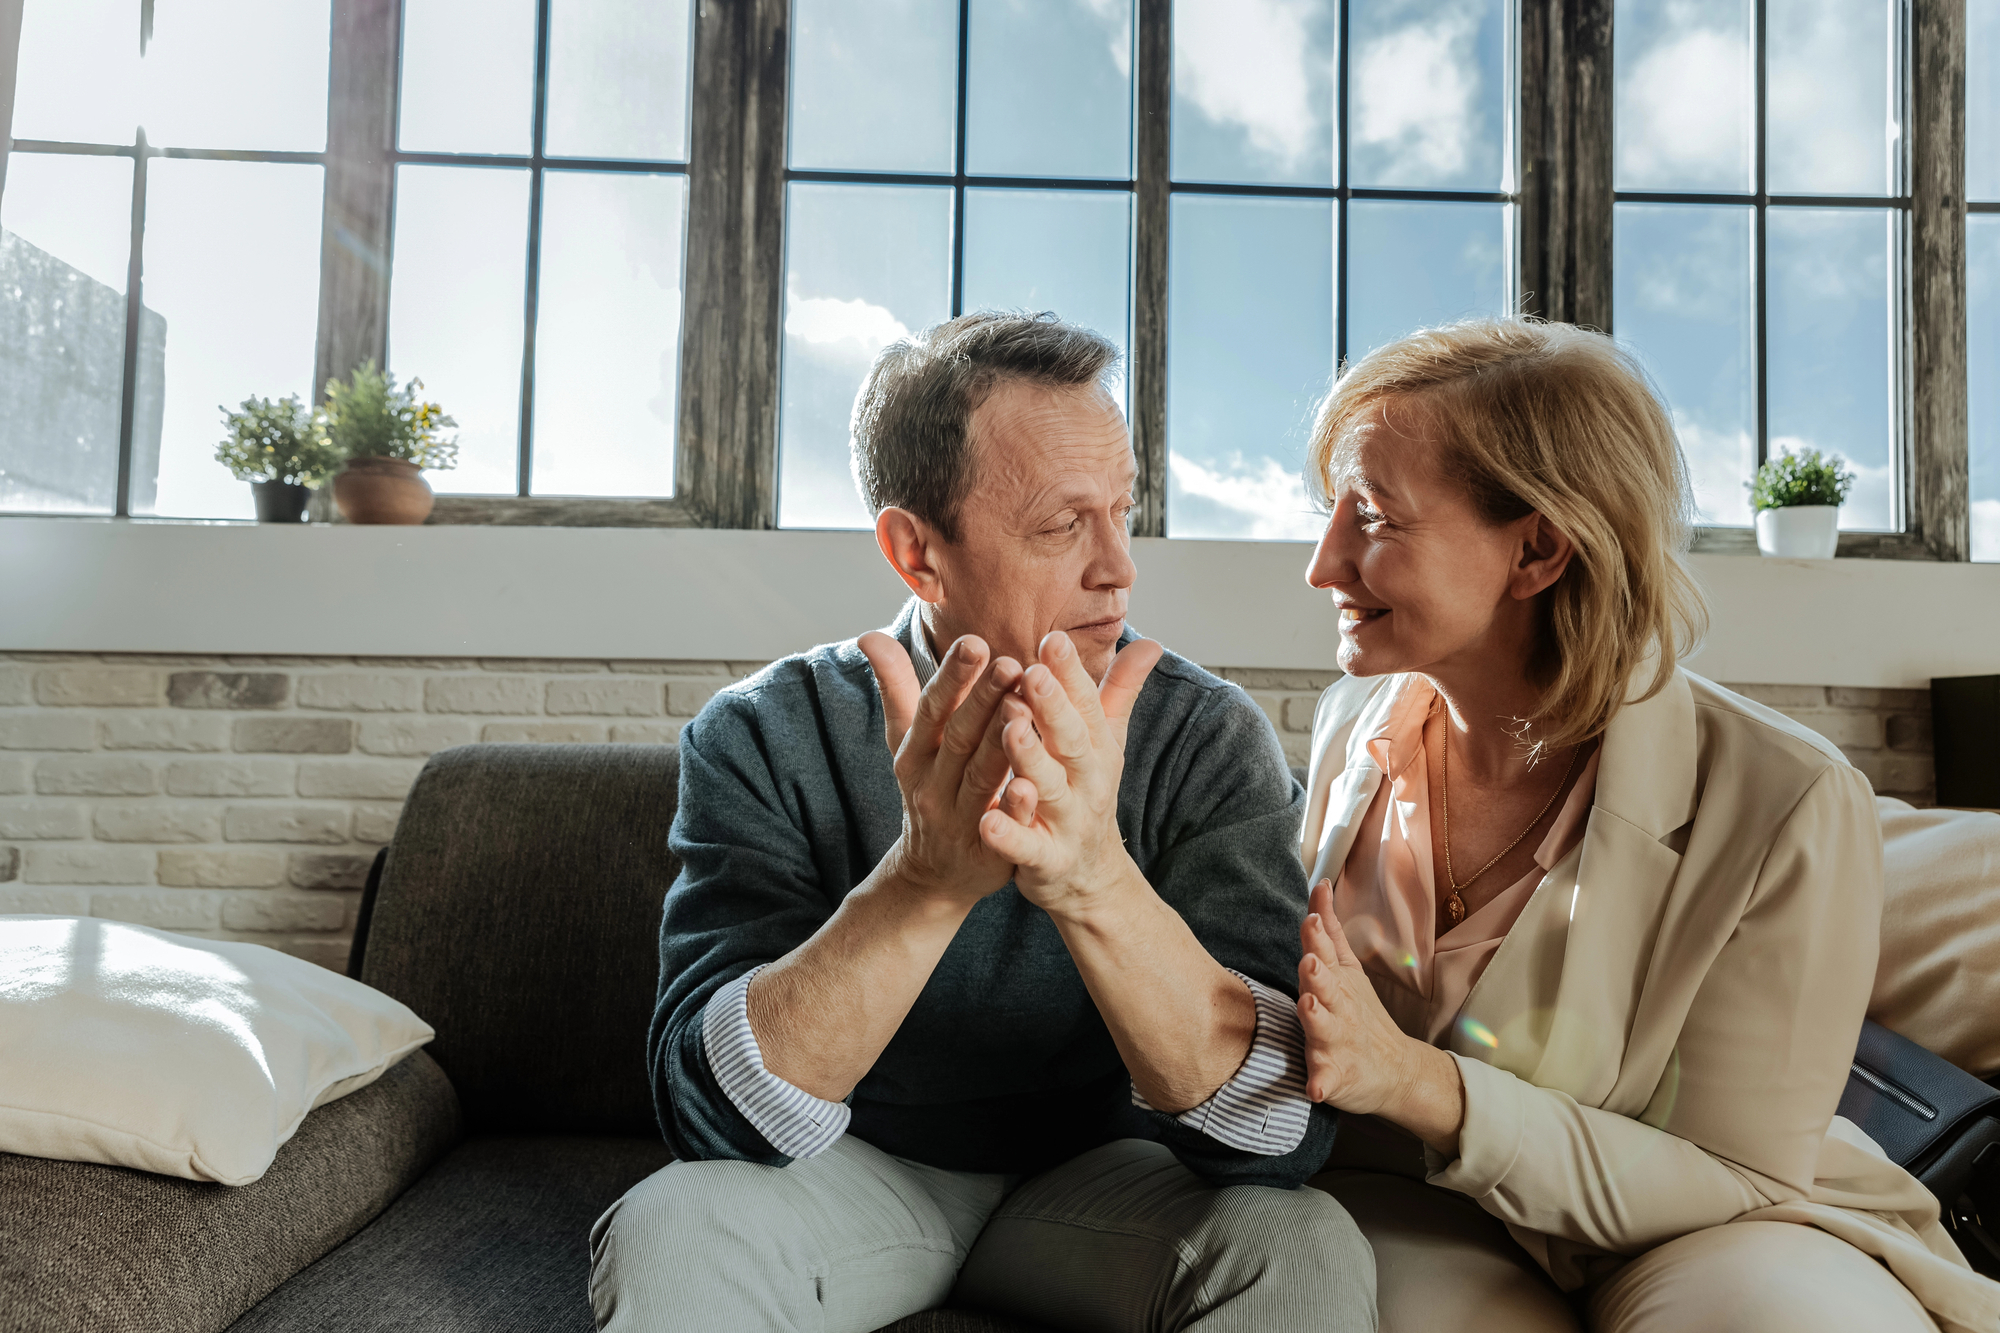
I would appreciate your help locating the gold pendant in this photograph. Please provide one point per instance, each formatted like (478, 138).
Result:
(1454, 907)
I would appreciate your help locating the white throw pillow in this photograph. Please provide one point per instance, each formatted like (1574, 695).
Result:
(1938, 982)
(188, 1057)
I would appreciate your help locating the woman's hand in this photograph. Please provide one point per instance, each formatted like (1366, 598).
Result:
(1357, 1059)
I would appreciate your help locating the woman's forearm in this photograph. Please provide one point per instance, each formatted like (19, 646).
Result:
(1182, 1023)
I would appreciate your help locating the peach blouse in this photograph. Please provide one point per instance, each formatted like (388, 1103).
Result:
(1386, 897)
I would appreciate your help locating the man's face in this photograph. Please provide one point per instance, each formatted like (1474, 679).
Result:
(1044, 538)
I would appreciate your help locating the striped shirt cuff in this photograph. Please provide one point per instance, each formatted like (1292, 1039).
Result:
(792, 1120)
(1263, 1108)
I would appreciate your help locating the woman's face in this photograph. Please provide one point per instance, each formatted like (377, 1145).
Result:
(1422, 581)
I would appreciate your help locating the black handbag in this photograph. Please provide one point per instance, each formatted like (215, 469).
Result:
(1941, 1125)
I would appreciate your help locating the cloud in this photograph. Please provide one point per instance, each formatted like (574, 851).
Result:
(1719, 462)
(1116, 16)
(1683, 112)
(1415, 93)
(859, 327)
(1986, 529)
(1267, 502)
(1243, 62)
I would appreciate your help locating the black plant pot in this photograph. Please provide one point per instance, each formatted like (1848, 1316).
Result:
(279, 501)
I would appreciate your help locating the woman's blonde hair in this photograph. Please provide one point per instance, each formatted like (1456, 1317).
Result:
(1549, 418)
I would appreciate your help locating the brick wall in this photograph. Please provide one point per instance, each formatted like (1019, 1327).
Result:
(243, 798)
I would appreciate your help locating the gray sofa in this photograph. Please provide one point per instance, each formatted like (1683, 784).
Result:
(517, 911)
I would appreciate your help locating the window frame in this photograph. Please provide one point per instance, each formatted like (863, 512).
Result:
(726, 451)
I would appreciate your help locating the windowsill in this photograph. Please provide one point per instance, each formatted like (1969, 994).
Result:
(713, 594)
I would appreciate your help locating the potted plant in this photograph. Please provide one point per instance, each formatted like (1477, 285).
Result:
(387, 435)
(277, 447)
(1797, 497)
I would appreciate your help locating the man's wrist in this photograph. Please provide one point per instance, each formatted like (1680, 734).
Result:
(921, 899)
(1096, 901)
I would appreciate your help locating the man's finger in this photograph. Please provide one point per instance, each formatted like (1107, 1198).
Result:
(1066, 732)
(968, 724)
(987, 769)
(896, 678)
(1031, 759)
(1021, 844)
(1125, 679)
(1019, 800)
(1058, 653)
(956, 675)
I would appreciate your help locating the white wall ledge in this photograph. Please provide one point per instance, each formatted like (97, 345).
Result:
(310, 590)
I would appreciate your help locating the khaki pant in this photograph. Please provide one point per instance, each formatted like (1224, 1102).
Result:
(1443, 1263)
(1123, 1239)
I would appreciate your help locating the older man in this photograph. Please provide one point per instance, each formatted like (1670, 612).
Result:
(896, 1071)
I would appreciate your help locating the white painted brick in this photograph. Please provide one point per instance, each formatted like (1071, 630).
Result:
(557, 733)
(376, 823)
(164, 731)
(96, 775)
(606, 696)
(287, 733)
(85, 863)
(100, 687)
(686, 697)
(171, 910)
(653, 667)
(44, 819)
(271, 911)
(483, 694)
(1299, 709)
(330, 870)
(1855, 730)
(564, 665)
(221, 868)
(358, 779)
(156, 821)
(275, 821)
(20, 900)
(412, 735)
(1783, 696)
(361, 692)
(647, 733)
(1842, 696)
(10, 864)
(231, 777)
(47, 731)
(13, 775)
(15, 686)
(1893, 772)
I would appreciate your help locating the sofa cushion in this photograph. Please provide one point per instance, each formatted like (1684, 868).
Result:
(495, 1238)
(1938, 980)
(105, 1249)
(519, 913)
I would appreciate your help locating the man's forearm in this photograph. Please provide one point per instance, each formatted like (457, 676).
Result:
(823, 1013)
(1183, 1024)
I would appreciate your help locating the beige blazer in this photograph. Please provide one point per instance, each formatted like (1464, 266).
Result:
(1660, 1042)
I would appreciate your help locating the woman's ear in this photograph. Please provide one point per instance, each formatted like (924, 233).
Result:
(910, 545)
(1544, 555)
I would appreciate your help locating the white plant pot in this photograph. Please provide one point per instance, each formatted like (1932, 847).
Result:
(1802, 532)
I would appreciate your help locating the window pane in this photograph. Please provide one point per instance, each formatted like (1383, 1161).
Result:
(1066, 251)
(608, 334)
(1982, 236)
(1253, 91)
(1429, 89)
(874, 86)
(1832, 123)
(232, 265)
(210, 64)
(1982, 99)
(1681, 284)
(1415, 264)
(1249, 353)
(1684, 91)
(618, 79)
(1828, 346)
(455, 311)
(1049, 88)
(65, 233)
(468, 76)
(864, 266)
(79, 71)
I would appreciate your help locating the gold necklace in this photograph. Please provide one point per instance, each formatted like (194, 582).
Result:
(1454, 906)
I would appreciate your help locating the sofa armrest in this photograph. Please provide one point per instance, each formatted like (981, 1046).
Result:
(86, 1248)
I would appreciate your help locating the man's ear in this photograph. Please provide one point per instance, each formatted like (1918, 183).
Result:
(910, 545)
(1545, 554)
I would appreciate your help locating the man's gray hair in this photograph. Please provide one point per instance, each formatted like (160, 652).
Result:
(912, 423)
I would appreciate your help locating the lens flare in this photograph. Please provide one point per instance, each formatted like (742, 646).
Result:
(1478, 1031)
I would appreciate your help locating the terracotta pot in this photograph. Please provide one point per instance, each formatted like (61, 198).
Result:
(279, 502)
(382, 490)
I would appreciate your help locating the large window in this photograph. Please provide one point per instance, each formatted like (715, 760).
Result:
(944, 156)
(1982, 248)
(159, 248)
(1760, 217)
(541, 197)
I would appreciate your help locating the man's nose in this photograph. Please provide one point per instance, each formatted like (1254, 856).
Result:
(1111, 563)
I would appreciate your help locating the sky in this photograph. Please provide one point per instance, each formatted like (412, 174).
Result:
(232, 248)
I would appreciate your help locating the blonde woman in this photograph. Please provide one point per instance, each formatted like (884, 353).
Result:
(1592, 937)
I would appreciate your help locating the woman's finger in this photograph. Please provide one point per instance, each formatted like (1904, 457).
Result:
(1343, 952)
(1318, 942)
(1321, 1036)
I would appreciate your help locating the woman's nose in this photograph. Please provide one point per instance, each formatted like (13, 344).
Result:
(1329, 564)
